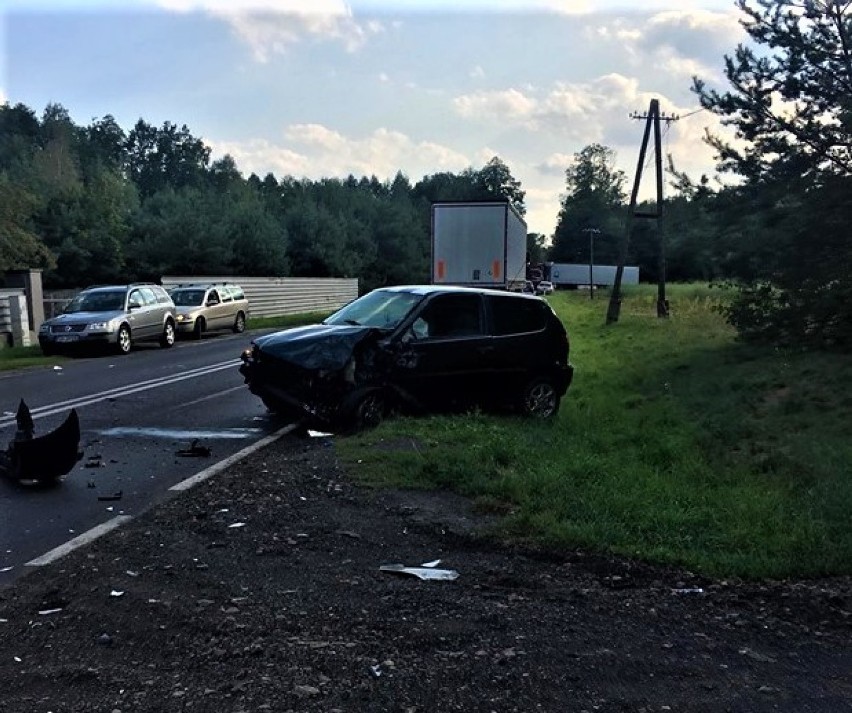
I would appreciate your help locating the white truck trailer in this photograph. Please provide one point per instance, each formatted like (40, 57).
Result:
(479, 244)
(573, 274)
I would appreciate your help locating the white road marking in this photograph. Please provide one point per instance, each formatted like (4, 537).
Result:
(51, 409)
(102, 529)
(181, 434)
(79, 541)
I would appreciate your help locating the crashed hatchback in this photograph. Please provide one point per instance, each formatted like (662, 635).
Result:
(414, 348)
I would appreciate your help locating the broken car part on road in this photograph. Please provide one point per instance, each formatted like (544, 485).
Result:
(42, 459)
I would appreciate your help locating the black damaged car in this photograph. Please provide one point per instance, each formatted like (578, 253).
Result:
(415, 349)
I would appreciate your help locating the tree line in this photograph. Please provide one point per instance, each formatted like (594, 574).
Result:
(97, 203)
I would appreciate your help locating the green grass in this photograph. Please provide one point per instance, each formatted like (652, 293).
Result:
(675, 444)
(20, 357)
(290, 320)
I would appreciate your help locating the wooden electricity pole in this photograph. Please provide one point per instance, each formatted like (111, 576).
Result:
(652, 120)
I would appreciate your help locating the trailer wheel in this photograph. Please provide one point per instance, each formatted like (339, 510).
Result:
(539, 398)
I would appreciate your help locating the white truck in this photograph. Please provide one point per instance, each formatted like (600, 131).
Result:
(479, 244)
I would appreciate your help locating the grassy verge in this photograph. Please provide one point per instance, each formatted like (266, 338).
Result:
(20, 357)
(283, 322)
(674, 444)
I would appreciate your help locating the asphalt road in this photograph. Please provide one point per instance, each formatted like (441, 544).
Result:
(136, 412)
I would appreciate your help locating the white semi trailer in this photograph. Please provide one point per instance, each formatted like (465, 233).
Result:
(479, 244)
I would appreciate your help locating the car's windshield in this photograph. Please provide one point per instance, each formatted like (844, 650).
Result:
(380, 308)
(188, 298)
(97, 302)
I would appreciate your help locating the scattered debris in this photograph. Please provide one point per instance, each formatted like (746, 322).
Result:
(57, 368)
(195, 451)
(433, 563)
(425, 573)
(376, 670)
(319, 434)
(236, 524)
(116, 593)
(95, 461)
(104, 640)
(7, 569)
(47, 612)
(109, 498)
(688, 590)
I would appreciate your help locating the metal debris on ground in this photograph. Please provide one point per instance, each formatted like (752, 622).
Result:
(46, 612)
(116, 593)
(688, 590)
(110, 498)
(319, 434)
(424, 573)
(433, 563)
(195, 451)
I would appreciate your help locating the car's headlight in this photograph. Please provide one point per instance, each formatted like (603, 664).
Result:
(101, 326)
(45, 327)
(185, 317)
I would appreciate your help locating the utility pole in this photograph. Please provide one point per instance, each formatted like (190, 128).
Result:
(652, 119)
(592, 232)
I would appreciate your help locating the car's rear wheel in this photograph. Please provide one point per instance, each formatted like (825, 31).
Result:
(168, 338)
(540, 398)
(123, 341)
(198, 328)
(240, 323)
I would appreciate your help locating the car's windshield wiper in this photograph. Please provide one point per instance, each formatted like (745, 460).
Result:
(353, 322)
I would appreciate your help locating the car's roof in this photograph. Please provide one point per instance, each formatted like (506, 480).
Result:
(433, 289)
(114, 288)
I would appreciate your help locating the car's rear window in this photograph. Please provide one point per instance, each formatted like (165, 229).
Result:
(188, 298)
(513, 315)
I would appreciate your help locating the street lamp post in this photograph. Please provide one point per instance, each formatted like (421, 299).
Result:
(592, 232)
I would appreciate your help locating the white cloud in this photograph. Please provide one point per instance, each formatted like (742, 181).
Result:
(499, 105)
(315, 151)
(270, 27)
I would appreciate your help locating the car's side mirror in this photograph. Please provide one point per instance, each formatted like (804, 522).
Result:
(133, 304)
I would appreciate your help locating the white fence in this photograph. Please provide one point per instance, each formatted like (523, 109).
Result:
(14, 319)
(278, 296)
(267, 296)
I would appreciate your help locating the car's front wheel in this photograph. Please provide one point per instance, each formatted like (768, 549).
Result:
(540, 398)
(367, 411)
(123, 340)
(168, 338)
(240, 323)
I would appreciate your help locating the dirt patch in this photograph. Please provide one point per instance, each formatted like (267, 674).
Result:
(261, 591)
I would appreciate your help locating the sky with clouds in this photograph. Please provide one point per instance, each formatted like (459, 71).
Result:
(370, 87)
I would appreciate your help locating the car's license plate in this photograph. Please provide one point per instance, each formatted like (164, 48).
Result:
(67, 338)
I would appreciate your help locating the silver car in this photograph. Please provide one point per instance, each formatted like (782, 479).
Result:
(207, 307)
(114, 316)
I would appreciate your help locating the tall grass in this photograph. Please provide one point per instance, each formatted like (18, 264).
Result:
(674, 444)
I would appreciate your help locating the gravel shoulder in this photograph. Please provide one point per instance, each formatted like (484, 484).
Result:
(260, 590)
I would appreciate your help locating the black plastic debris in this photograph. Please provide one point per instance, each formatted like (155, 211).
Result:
(110, 498)
(195, 451)
(44, 458)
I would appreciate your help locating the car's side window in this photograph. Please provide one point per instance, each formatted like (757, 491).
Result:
(237, 292)
(449, 316)
(148, 298)
(135, 298)
(213, 297)
(161, 294)
(513, 315)
(225, 294)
